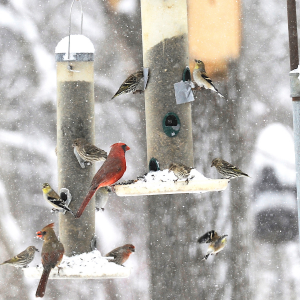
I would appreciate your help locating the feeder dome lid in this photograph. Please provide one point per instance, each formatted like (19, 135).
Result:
(78, 44)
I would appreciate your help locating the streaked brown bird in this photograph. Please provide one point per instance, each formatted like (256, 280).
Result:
(121, 254)
(226, 169)
(23, 259)
(216, 242)
(88, 152)
(52, 254)
(130, 84)
(180, 170)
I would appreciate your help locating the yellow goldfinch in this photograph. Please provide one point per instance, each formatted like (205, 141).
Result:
(217, 243)
(56, 201)
(201, 78)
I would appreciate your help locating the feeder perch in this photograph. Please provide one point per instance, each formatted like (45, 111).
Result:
(162, 182)
(171, 124)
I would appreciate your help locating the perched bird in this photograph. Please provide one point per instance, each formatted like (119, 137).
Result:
(22, 259)
(110, 172)
(121, 254)
(217, 243)
(52, 254)
(130, 84)
(226, 169)
(202, 79)
(88, 152)
(59, 202)
(181, 171)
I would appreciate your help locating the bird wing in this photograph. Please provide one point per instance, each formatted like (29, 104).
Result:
(207, 237)
(110, 172)
(93, 150)
(204, 76)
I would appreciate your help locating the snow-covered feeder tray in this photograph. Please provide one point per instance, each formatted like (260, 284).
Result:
(164, 182)
(87, 265)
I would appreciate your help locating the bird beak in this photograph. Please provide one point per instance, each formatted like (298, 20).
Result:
(39, 234)
(133, 250)
(195, 60)
(127, 148)
(211, 165)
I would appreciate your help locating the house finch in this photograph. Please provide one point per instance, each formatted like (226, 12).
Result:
(121, 254)
(130, 84)
(226, 169)
(202, 79)
(59, 202)
(181, 171)
(52, 254)
(88, 152)
(111, 171)
(22, 259)
(217, 243)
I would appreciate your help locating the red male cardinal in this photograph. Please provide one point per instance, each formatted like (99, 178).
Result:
(52, 254)
(110, 172)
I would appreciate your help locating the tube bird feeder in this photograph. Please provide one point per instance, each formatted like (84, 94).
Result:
(75, 119)
(168, 124)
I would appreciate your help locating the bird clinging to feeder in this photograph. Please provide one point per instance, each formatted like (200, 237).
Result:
(88, 152)
(201, 78)
(226, 169)
(58, 202)
(130, 84)
(217, 243)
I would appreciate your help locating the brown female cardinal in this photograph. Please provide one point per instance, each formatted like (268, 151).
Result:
(110, 172)
(52, 254)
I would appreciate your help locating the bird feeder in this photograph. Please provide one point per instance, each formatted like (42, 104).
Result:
(168, 124)
(74, 57)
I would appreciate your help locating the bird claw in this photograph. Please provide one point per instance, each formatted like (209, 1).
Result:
(58, 269)
(138, 92)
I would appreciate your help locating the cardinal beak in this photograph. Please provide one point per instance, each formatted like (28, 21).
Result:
(39, 234)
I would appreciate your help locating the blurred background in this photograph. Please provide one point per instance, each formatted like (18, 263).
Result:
(244, 45)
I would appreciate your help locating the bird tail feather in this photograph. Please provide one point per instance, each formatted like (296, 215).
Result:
(85, 203)
(40, 292)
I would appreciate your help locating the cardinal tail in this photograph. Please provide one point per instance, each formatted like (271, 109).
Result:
(85, 203)
(40, 292)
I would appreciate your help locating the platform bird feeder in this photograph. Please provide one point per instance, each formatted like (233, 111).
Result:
(168, 124)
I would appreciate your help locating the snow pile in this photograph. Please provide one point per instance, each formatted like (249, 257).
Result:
(78, 44)
(87, 265)
(165, 182)
(297, 71)
(165, 175)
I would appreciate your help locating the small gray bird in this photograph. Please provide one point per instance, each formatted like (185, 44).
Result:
(202, 79)
(216, 242)
(23, 259)
(226, 169)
